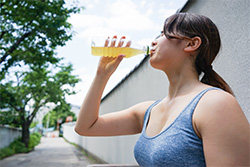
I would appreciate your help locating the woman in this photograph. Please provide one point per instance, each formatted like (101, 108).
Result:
(199, 123)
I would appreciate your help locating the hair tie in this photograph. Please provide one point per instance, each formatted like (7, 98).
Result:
(208, 69)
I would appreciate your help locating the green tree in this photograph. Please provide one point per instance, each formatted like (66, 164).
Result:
(59, 112)
(30, 31)
(31, 75)
(21, 99)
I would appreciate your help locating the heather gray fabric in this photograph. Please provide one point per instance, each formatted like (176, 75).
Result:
(177, 145)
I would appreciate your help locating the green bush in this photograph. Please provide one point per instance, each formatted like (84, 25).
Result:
(37, 135)
(5, 152)
(18, 147)
(34, 140)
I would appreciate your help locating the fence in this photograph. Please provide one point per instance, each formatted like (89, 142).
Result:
(8, 134)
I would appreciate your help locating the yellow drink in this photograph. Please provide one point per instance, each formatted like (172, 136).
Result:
(116, 51)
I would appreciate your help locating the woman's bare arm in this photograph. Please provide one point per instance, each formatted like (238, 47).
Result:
(89, 123)
(224, 130)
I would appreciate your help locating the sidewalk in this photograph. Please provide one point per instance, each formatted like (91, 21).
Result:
(51, 152)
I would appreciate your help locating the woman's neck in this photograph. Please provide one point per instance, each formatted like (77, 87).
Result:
(182, 83)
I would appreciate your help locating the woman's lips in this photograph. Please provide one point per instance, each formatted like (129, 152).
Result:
(152, 51)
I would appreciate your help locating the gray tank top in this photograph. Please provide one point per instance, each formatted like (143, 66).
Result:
(177, 145)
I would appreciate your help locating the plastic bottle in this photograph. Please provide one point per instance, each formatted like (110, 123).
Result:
(133, 50)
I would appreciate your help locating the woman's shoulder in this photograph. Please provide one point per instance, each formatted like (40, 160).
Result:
(144, 105)
(217, 108)
(140, 109)
(218, 99)
(223, 127)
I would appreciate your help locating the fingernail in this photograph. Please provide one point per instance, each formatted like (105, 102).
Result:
(114, 38)
(122, 55)
(122, 39)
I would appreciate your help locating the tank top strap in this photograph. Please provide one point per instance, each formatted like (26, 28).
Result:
(190, 107)
(197, 98)
(147, 113)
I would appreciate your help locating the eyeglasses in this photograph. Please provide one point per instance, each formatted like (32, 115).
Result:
(174, 36)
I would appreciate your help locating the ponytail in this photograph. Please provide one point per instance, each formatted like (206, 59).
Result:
(210, 77)
(214, 79)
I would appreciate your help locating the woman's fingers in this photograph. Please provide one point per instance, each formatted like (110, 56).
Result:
(113, 41)
(121, 42)
(128, 44)
(106, 42)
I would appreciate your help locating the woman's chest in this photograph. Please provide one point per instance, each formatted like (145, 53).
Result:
(172, 148)
(163, 115)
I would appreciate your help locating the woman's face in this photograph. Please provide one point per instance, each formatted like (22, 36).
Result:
(166, 51)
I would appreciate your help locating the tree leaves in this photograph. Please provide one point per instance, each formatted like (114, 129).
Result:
(32, 27)
(35, 89)
(31, 75)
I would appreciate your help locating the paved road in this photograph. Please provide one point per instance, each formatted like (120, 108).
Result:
(51, 152)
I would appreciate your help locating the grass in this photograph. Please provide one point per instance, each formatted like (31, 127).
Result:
(18, 147)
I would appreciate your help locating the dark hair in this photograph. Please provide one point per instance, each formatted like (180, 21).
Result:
(188, 25)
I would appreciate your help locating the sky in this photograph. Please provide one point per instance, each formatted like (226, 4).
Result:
(140, 21)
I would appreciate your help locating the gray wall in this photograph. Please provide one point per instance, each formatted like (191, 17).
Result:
(232, 18)
(7, 135)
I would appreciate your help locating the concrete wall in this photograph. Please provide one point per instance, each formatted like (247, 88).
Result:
(114, 150)
(145, 83)
(7, 135)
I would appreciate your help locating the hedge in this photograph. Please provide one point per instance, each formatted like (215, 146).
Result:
(18, 147)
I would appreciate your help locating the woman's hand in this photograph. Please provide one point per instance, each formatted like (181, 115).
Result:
(107, 65)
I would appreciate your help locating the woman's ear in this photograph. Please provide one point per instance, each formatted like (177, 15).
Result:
(193, 44)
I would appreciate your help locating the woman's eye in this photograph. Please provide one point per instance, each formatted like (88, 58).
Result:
(168, 36)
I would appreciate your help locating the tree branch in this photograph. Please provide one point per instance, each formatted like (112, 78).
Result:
(15, 107)
(33, 114)
(15, 45)
(2, 34)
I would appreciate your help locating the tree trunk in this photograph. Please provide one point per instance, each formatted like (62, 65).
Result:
(25, 133)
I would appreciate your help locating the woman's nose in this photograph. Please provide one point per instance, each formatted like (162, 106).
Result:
(154, 43)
